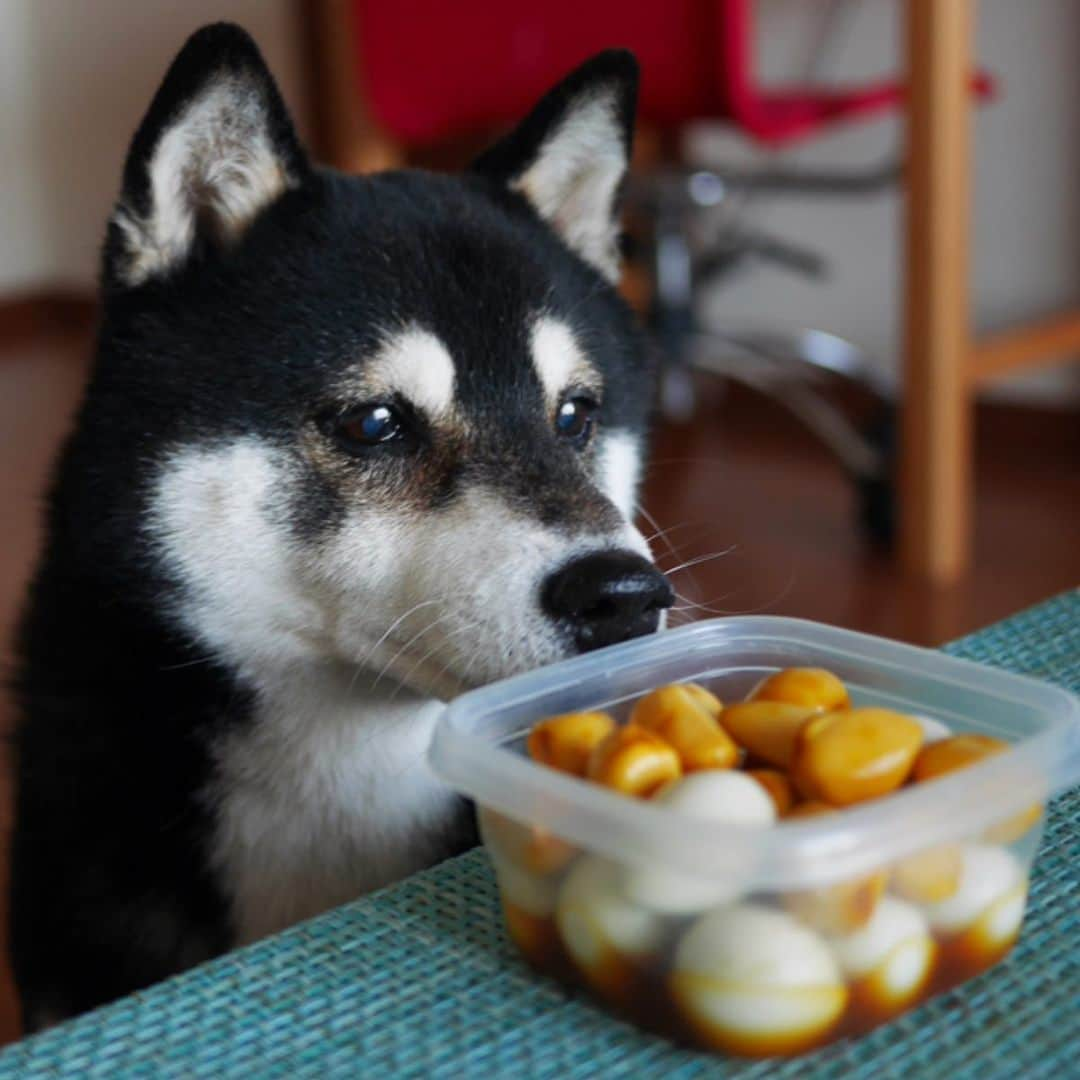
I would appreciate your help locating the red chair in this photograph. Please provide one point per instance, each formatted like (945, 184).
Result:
(434, 72)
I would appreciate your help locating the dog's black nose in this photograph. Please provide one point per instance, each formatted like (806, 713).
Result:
(607, 597)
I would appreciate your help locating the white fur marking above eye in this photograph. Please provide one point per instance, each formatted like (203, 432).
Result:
(558, 360)
(418, 366)
(573, 181)
(620, 469)
(216, 160)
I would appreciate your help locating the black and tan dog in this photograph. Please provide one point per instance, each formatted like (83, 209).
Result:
(350, 445)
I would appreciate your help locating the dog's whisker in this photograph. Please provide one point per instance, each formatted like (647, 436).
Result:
(463, 628)
(771, 603)
(678, 550)
(445, 667)
(701, 605)
(361, 665)
(408, 644)
(668, 530)
(435, 648)
(477, 653)
(648, 517)
(189, 663)
(674, 550)
(679, 615)
(699, 560)
(764, 606)
(709, 602)
(395, 624)
(665, 534)
(467, 670)
(659, 533)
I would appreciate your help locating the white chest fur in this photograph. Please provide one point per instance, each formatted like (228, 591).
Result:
(325, 796)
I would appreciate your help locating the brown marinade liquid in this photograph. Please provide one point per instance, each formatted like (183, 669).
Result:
(647, 1003)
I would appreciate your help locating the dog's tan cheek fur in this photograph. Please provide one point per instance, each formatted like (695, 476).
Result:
(416, 480)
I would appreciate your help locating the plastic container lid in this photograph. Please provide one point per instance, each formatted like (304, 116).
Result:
(473, 750)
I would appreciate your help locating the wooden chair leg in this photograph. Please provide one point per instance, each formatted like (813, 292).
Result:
(345, 136)
(936, 462)
(1025, 346)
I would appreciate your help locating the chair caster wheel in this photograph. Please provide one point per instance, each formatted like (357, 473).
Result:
(877, 495)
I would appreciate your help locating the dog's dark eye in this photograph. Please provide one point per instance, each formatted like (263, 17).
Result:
(369, 425)
(574, 420)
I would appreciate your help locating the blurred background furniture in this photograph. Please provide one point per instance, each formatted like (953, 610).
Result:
(943, 365)
(697, 58)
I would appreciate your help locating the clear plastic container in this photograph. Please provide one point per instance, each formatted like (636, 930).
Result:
(764, 940)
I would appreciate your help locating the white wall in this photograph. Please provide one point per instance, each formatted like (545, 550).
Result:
(74, 81)
(1026, 219)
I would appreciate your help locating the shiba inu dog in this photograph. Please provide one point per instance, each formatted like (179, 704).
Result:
(350, 445)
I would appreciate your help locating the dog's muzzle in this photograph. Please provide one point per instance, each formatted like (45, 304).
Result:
(607, 597)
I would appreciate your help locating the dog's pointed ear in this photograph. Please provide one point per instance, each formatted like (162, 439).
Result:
(570, 155)
(215, 148)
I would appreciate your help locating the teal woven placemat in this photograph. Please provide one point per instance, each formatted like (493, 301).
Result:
(418, 981)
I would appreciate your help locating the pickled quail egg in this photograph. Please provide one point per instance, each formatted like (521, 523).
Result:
(928, 876)
(608, 936)
(528, 902)
(751, 980)
(840, 907)
(718, 796)
(532, 848)
(982, 918)
(889, 960)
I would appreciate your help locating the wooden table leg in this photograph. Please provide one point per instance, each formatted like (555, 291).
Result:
(936, 447)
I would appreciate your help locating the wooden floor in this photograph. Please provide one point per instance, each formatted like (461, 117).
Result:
(741, 489)
(745, 480)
